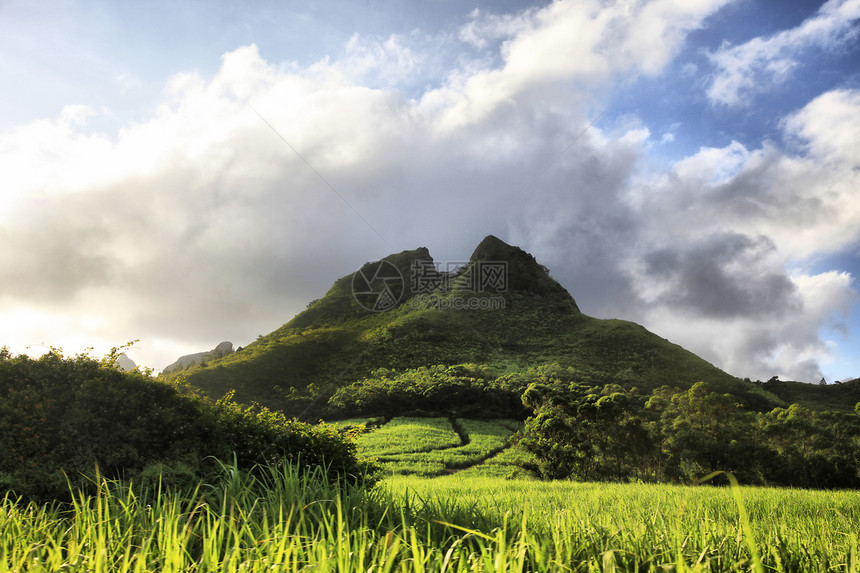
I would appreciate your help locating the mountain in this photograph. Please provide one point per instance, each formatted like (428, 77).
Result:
(183, 362)
(502, 309)
(125, 363)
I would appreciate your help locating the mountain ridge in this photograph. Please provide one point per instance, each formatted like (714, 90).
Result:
(502, 309)
(221, 349)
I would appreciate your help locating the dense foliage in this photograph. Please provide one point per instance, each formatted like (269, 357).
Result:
(617, 434)
(586, 428)
(60, 418)
(464, 390)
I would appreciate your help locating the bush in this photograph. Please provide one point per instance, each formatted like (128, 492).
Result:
(463, 390)
(61, 418)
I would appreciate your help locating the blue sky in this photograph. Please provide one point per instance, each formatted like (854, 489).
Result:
(689, 165)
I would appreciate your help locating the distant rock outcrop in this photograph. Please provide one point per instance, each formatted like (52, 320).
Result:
(125, 363)
(223, 349)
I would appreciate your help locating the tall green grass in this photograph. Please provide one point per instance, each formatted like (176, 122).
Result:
(649, 527)
(261, 520)
(284, 519)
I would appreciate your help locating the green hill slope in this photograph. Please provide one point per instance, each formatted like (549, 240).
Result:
(502, 310)
(841, 396)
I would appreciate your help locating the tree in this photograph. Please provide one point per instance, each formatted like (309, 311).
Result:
(704, 432)
(553, 436)
(589, 433)
(813, 449)
(612, 433)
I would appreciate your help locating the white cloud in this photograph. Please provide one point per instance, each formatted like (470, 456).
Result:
(52, 156)
(200, 224)
(380, 64)
(567, 53)
(484, 29)
(713, 165)
(829, 128)
(755, 66)
(805, 202)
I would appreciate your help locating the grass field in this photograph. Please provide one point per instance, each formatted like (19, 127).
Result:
(409, 435)
(504, 464)
(286, 520)
(434, 446)
(636, 527)
(292, 521)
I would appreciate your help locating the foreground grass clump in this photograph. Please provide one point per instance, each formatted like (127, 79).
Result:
(284, 518)
(279, 515)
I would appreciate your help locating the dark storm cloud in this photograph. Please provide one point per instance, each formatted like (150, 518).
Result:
(575, 219)
(723, 276)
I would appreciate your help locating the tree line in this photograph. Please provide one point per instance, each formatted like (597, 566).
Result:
(587, 427)
(618, 434)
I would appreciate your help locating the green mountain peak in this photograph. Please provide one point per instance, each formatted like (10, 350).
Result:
(493, 248)
(501, 311)
(524, 274)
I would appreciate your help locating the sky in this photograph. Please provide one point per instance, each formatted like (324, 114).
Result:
(187, 173)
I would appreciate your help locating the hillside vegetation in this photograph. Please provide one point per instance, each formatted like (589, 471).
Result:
(338, 341)
(63, 421)
(600, 399)
(479, 420)
(837, 397)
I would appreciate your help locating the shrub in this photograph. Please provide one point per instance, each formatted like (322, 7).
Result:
(61, 418)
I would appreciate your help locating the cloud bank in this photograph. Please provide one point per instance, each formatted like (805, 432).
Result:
(247, 193)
